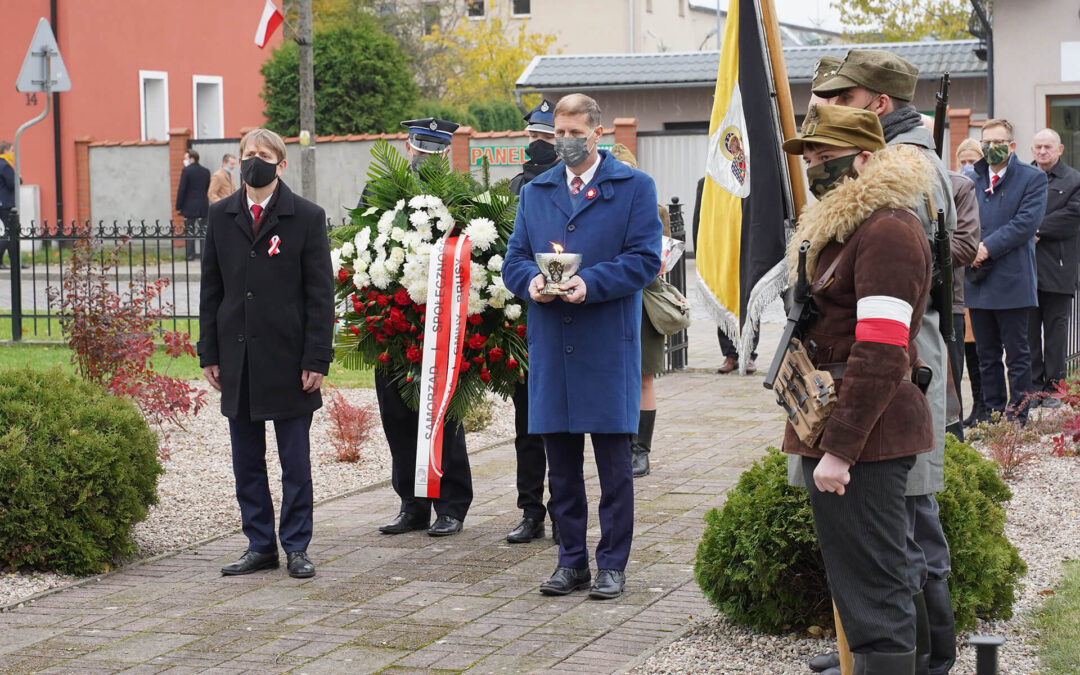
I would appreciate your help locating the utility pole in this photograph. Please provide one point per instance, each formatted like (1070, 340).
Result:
(305, 40)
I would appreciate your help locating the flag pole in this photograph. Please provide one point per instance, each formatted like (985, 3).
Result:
(785, 110)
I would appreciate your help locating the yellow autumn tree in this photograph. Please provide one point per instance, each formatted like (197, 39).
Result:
(481, 60)
(904, 20)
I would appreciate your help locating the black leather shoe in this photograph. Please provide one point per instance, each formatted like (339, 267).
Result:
(527, 530)
(555, 532)
(403, 523)
(823, 662)
(609, 584)
(250, 562)
(300, 566)
(566, 580)
(444, 526)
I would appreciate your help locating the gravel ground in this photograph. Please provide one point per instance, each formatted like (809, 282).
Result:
(196, 498)
(1042, 523)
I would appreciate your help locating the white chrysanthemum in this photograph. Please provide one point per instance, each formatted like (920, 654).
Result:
(361, 279)
(413, 268)
(380, 243)
(397, 234)
(482, 232)
(478, 276)
(400, 205)
(419, 218)
(362, 239)
(386, 221)
(434, 202)
(370, 210)
(335, 260)
(424, 250)
(512, 311)
(476, 303)
(348, 251)
(424, 232)
(379, 275)
(495, 263)
(410, 240)
(497, 303)
(394, 260)
(417, 291)
(445, 222)
(499, 290)
(361, 265)
(364, 258)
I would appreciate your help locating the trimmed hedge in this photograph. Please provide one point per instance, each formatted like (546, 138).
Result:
(759, 562)
(78, 467)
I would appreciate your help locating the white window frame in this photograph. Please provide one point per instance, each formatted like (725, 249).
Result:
(145, 75)
(476, 18)
(519, 16)
(196, 80)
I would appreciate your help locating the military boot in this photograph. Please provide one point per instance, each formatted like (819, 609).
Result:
(884, 663)
(939, 611)
(641, 443)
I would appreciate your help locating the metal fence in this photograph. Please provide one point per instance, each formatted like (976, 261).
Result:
(678, 345)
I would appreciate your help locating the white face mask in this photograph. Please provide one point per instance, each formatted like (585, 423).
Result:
(187, 161)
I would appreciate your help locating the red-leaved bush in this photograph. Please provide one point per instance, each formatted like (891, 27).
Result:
(112, 335)
(1010, 444)
(1067, 442)
(349, 426)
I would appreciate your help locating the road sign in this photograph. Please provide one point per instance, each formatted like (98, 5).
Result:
(43, 62)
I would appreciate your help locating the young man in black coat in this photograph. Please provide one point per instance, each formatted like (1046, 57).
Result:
(191, 199)
(266, 315)
(1056, 261)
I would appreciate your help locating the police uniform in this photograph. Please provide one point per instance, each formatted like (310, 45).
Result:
(400, 423)
(928, 552)
(531, 461)
(870, 263)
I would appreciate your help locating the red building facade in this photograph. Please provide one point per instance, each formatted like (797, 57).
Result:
(138, 70)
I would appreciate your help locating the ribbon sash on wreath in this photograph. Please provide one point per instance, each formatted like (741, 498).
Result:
(444, 324)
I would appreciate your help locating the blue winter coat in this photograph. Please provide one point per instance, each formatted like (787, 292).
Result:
(585, 360)
(1009, 218)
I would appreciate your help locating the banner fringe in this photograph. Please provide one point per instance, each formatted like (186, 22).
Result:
(723, 317)
(768, 288)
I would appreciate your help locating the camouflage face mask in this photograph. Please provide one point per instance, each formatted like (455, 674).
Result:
(828, 174)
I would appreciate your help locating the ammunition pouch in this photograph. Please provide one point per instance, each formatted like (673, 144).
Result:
(807, 394)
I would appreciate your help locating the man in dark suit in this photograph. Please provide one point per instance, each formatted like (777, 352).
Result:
(1000, 288)
(266, 314)
(191, 199)
(1057, 259)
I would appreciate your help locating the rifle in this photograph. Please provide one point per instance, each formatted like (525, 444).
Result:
(800, 312)
(941, 294)
(940, 113)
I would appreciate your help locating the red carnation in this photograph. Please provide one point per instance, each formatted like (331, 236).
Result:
(372, 327)
(353, 297)
(342, 275)
(521, 331)
(371, 295)
(355, 330)
(414, 354)
(402, 297)
(380, 338)
(478, 359)
(413, 328)
(388, 329)
(463, 365)
(476, 319)
(485, 376)
(383, 300)
(511, 364)
(409, 378)
(397, 317)
(477, 341)
(384, 358)
(495, 354)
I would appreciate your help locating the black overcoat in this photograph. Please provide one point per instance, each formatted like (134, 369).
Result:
(1056, 253)
(191, 198)
(275, 311)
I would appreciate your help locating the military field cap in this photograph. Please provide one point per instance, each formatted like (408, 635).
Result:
(430, 134)
(825, 69)
(623, 154)
(838, 126)
(873, 69)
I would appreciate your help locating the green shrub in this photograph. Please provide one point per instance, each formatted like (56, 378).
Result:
(77, 468)
(759, 563)
(480, 416)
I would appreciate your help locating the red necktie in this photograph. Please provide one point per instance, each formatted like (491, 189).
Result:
(256, 212)
(576, 184)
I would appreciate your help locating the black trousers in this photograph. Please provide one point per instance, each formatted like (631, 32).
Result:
(730, 349)
(253, 487)
(1048, 333)
(995, 330)
(570, 506)
(5, 240)
(190, 227)
(531, 462)
(401, 424)
(862, 536)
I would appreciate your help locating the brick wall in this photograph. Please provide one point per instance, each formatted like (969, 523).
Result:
(626, 133)
(82, 178)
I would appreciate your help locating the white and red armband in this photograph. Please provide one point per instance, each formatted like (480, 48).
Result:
(884, 319)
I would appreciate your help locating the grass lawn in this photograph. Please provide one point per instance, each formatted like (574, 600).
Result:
(1058, 621)
(47, 356)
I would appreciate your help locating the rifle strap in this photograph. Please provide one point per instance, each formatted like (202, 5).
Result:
(826, 278)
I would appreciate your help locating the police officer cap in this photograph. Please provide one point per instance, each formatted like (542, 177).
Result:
(840, 127)
(873, 69)
(825, 69)
(542, 118)
(430, 134)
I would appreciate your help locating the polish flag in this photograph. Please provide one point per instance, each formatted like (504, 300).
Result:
(271, 19)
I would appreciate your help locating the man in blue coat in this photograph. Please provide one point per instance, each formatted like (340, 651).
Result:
(1000, 288)
(585, 347)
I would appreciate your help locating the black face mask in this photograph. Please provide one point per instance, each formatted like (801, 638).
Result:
(541, 152)
(257, 172)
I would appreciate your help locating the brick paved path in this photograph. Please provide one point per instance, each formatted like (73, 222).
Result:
(411, 603)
